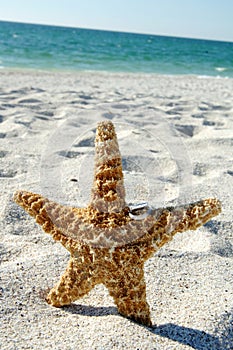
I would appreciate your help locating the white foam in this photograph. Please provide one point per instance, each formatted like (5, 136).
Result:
(220, 69)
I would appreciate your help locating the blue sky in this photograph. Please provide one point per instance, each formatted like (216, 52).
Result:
(209, 19)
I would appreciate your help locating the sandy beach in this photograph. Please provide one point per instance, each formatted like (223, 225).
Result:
(176, 138)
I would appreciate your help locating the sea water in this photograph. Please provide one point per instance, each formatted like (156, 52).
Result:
(44, 47)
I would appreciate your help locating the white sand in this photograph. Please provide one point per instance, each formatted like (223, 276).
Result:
(176, 138)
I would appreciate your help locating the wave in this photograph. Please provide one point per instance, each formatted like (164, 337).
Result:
(220, 69)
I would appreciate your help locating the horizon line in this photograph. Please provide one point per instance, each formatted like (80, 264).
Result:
(116, 31)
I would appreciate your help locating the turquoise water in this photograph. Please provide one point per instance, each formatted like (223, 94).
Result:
(61, 48)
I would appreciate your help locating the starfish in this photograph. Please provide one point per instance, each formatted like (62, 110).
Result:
(108, 240)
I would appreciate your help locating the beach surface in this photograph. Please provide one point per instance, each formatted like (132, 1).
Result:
(176, 139)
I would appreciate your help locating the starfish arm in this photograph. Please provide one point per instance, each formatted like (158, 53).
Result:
(170, 221)
(128, 289)
(54, 218)
(34, 204)
(77, 281)
(108, 192)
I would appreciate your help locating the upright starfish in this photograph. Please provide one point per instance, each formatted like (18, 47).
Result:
(107, 241)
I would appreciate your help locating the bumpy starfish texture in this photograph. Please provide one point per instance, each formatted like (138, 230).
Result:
(107, 241)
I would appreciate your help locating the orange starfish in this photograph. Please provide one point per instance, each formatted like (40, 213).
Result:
(107, 241)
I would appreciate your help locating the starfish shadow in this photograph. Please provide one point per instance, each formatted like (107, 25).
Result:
(196, 339)
(87, 310)
(188, 336)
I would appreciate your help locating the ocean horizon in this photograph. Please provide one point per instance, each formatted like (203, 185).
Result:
(58, 48)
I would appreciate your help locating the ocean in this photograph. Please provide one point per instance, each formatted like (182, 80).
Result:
(41, 47)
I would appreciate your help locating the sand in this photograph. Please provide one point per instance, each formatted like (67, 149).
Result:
(176, 136)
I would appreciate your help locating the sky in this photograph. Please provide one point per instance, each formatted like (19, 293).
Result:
(206, 19)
